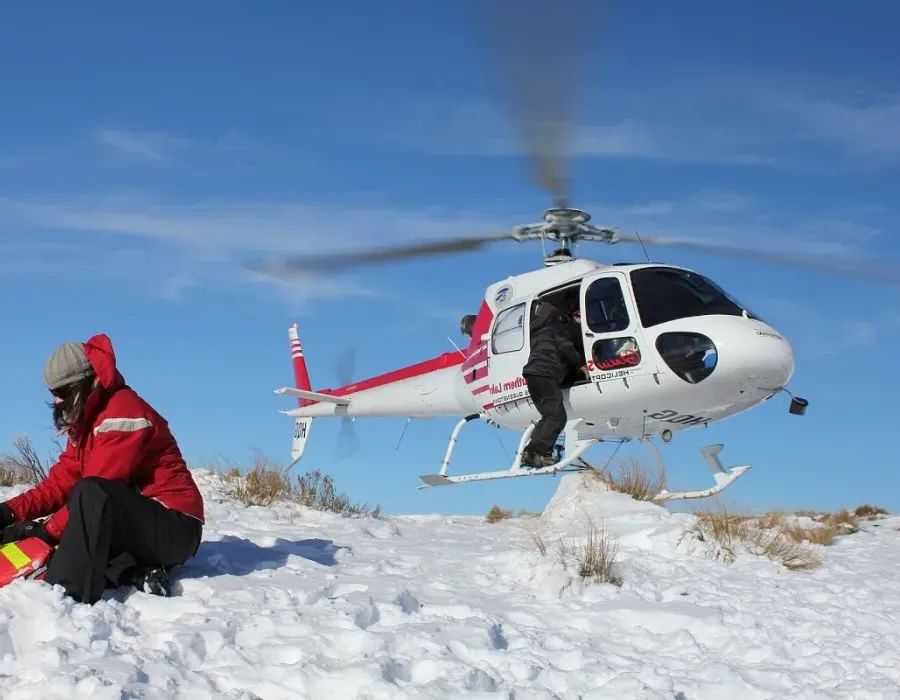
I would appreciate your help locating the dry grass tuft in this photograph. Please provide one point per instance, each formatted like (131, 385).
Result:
(766, 535)
(316, 490)
(592, 552)
(496, 514)
(867, 511)
(538, 542)
(597, 556)
(524, 513)
(268, 482)
(781, 534)
(631, 478)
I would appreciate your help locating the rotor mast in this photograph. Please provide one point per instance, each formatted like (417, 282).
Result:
(565, 226)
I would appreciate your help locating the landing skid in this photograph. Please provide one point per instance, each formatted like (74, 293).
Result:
(568, 464)
(573, 462)
(722, 476)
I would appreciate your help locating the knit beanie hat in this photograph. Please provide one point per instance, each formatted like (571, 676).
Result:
(67, 364)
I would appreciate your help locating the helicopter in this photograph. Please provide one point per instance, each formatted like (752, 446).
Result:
(666, 349)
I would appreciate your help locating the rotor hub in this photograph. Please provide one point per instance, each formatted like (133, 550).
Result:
(564, 226)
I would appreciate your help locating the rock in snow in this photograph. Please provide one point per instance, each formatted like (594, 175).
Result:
(294, 603)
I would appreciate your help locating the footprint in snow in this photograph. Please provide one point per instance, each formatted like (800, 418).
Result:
(407, 602)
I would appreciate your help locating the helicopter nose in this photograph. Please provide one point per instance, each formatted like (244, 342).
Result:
(766, 358)
(736, 351)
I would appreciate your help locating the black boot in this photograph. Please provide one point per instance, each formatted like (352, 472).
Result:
(154, 581)
(533, 460)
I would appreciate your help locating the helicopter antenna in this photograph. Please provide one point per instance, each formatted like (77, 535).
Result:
(642, 246)
(456, 346)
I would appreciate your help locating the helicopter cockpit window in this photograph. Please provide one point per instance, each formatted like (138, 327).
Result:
(666, 294)
(509, 330)
(604, 305)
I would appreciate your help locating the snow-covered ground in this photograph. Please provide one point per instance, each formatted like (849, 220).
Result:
(294, 603)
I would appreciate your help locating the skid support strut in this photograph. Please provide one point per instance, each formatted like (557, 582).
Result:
(516, 470)
(722, 476)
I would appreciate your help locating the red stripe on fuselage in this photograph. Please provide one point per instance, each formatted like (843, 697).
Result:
(476, 373)
(480, 355)
(448, 359)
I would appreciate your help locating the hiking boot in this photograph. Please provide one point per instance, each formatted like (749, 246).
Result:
(533, 460)
(154, 581)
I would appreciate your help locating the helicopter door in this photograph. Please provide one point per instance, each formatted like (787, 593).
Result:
(507, 346)
(613, 342)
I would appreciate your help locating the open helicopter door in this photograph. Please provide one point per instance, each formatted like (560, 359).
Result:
(621, 369)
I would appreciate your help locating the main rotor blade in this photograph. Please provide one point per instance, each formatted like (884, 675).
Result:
(538, 46)
(339, 260)
(879, 271)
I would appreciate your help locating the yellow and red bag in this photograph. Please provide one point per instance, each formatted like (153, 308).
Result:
(27, 558)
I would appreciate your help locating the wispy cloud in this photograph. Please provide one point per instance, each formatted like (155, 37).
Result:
(814, 331)
(751, 120)
(204, 243)
(254, 227)
(857, 121)
(153, 146)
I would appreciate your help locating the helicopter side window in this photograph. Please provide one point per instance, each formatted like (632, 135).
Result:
(509, 330)
(604, 305)
(665, 294)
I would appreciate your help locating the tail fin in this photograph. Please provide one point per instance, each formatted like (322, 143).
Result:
(301, 381)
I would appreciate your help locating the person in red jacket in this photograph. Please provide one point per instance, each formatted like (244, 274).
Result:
(123, 507)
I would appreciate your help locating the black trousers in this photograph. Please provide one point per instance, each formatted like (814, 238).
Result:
(112, 531)
(548, 400)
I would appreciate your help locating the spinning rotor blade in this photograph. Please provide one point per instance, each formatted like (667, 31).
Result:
(347, 439)
(338, 260)
(345, 368)
(880, 271)
(538, 45)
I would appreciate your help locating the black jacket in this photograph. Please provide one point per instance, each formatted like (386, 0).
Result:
(552, 352)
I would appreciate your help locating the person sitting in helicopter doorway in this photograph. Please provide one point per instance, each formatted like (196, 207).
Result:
(552, 357)
(122, 505)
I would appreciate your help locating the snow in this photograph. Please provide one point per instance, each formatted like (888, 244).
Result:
(287, 602)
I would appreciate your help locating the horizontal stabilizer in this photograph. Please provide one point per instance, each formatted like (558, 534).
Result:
(313, 395)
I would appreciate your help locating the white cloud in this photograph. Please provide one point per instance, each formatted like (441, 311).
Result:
(144, 145)
(135, 240)
(784, 121)
(860, 123)
(203, 244)
(220, 228)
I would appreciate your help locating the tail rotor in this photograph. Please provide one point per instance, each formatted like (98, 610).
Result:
(347, 439)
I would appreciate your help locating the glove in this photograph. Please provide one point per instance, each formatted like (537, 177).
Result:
(23, 530)
(6, 515)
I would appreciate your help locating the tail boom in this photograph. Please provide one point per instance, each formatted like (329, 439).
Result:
(427, 389)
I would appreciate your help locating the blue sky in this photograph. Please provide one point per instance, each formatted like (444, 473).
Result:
(143, 155)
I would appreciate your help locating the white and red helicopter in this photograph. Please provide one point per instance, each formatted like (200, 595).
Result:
(667, 349)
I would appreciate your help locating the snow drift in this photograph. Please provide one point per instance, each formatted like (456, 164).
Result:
(288, 602)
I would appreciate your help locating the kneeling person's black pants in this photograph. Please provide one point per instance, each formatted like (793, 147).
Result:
(113, 529)
(546, 394)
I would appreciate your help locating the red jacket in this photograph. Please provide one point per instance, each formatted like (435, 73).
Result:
(121, 438)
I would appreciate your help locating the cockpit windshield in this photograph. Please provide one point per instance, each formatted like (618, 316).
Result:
(666, 294)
